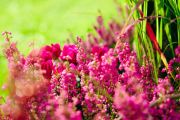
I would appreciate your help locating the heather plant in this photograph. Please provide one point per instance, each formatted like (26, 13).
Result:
(97, 78)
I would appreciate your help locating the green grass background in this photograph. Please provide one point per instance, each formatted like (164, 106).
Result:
(48, 21)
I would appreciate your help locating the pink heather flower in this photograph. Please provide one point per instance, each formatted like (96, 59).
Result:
(130, 107)
(11, 108)
(174, 64)
(47, 66)
(100, 20)
(178, 77)
(68, 83)
(11, 51)
(101, 116)
(46, 53)
(7, 35)
(99, 51)
(55, 50)
(50, 52)
(164, 87)
(66, 112)
(177, 51)
(58, 68)
(69, 53)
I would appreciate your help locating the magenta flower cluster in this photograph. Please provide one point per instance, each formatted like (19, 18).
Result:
(89, 80)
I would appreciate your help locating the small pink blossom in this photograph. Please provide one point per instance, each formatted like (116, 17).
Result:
(47, 66)
(69, 53)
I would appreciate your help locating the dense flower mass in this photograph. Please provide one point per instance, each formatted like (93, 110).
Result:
(89, 80)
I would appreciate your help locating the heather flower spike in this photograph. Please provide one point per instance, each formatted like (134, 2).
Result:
(7, 35)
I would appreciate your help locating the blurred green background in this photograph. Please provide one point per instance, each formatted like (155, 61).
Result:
(48, 21)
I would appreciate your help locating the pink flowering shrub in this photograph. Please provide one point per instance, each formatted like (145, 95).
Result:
(88, 80)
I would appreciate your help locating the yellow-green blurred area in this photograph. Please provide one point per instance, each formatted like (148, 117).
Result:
(47, 21)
